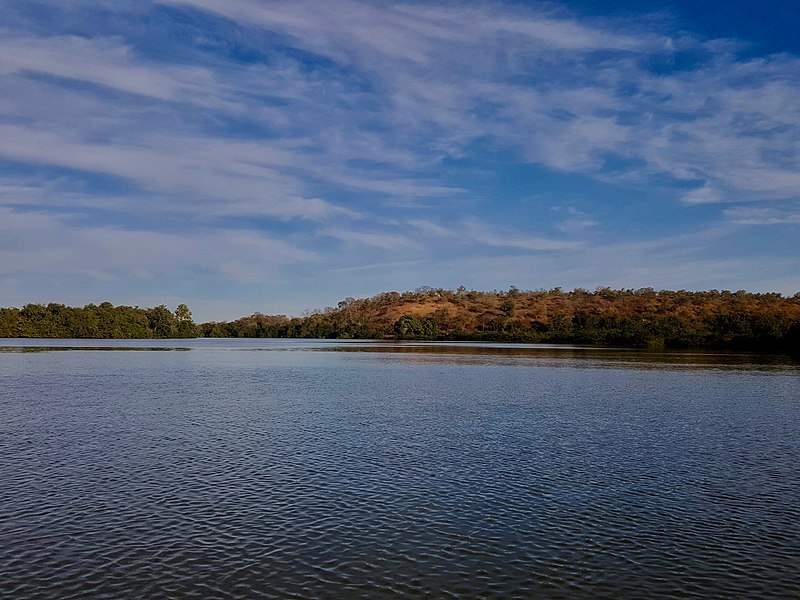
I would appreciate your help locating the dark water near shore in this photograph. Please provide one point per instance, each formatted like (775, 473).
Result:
(289, 468)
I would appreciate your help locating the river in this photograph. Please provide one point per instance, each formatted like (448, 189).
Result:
(346, 469)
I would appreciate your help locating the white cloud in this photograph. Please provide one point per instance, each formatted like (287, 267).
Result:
(384, 241)
(36, 242)
(577, 222)
(433, 81)
(440, 66)
(483, 234)
(702, 195)
(762, 216)
(433, 229)
(380, 115)
(102, 62)
(230, 177)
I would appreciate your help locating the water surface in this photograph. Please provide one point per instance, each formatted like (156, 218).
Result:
(292, 468)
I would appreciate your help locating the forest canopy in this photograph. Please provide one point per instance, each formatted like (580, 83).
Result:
(104, 321)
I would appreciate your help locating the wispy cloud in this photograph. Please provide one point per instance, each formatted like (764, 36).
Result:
(102, 62)
(564, 91)
(484, 235)
(763, 216)
(35, 242)
(317, 132)
(576, 222)
(375, 240)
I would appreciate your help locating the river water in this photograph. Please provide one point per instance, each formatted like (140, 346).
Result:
(327, 469)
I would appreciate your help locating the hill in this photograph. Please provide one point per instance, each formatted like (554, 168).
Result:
(642, 317)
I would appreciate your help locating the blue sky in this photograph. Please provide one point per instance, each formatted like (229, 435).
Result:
(254, 155)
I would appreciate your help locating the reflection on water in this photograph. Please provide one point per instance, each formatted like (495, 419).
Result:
(86, 348)
(326, 469)
(455, 352)
(591, 356)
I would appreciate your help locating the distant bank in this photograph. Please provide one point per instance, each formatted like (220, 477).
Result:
(635, 318)
(102, 321)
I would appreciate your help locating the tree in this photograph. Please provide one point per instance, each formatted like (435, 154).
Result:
(182, 313)
(161, 321)
(185, 327)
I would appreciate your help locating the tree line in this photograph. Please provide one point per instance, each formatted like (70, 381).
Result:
(612, 317)
(103, 321)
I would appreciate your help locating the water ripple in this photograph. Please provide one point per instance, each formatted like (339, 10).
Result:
(325, 475)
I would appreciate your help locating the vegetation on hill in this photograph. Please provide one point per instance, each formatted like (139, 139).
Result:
(105, 321)
(643, 317)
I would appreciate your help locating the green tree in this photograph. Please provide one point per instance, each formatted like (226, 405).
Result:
(161, 321)
(185, 327)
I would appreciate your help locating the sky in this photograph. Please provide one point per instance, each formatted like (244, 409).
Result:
(279, 156)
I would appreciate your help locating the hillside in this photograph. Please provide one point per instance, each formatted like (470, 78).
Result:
(642, 317)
